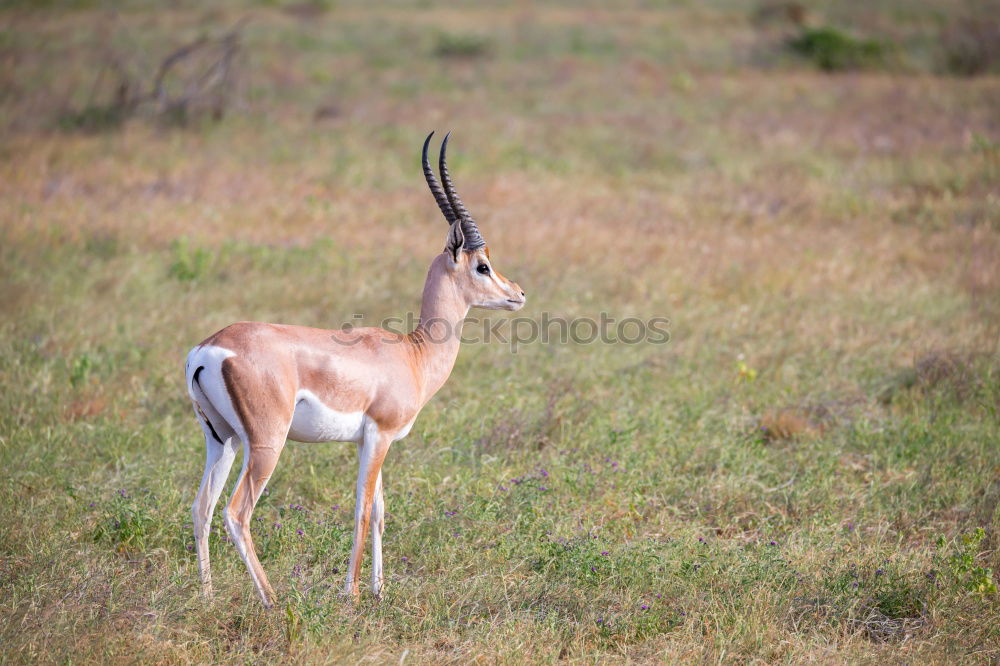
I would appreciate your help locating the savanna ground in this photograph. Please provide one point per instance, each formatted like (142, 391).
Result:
(800, 474)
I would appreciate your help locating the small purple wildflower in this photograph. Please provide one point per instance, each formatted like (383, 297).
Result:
(593, 569)
(879, 572)
(542, 488)
(659, 596)
(854, 584)
(544, 473)
(605, 553)
(701, 539)
(91, 504)
(300, 532)
(504, 488)
(404, 558)
(190, 547)
(277, 526)
(772, 543)
(644, 607)
(123, 492)
(600, 620)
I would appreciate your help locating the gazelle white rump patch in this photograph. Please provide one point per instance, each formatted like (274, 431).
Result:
(212, 386)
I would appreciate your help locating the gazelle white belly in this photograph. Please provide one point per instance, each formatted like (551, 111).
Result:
(313, 421)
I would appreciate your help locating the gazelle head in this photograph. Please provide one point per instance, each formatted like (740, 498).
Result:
(467, 257)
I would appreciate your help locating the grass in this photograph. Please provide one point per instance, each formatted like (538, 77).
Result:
(807, 470)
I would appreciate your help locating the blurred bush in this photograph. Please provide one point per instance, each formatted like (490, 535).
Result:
(832, 50)
(198, 79)
(780, 12)
(94, 117)
(462, 46)
(971, 45)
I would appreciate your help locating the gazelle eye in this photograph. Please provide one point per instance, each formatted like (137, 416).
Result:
(483, 269)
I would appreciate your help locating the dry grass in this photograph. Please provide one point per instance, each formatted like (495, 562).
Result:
(827, 249)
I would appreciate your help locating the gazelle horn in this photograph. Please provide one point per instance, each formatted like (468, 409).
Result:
(473, 239)
(432, 182)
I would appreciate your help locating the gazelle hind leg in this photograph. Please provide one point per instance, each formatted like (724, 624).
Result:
(378, 527)
(259, 461)
(371, 454)
(219, 457)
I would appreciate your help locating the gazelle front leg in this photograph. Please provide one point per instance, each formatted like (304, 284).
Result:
(378, 526)
(371, 454)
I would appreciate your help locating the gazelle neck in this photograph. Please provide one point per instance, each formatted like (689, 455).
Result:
(437, 337)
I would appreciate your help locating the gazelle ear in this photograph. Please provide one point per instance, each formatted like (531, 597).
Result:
(455, 240)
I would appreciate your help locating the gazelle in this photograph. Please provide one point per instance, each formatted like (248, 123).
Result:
(261, 384)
